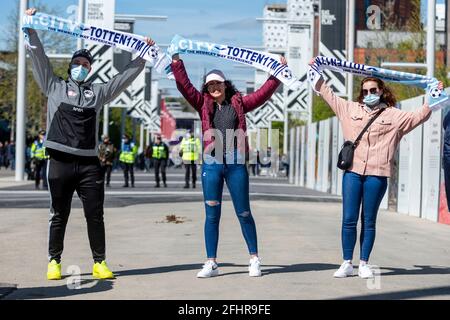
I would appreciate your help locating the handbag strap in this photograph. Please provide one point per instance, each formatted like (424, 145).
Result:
(367, 127)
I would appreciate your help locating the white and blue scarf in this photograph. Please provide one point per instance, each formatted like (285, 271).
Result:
(126, 41)
(260, 60)
(436, 98)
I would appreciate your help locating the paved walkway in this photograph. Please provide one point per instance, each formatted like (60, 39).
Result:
(299, 245)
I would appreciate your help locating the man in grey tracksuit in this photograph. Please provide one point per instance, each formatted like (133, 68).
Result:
(72, 141)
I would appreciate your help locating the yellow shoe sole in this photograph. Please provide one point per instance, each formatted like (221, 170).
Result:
(97, 276)
(54, 277)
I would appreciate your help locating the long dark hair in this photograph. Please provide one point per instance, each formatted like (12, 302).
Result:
(230, 90)
(387, 97)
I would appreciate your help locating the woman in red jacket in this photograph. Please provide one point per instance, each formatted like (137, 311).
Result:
(222, 110)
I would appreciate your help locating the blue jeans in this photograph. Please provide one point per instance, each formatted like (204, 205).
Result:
(236, 177)
(357, 189)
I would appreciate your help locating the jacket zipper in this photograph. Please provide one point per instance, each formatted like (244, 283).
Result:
(79, 97)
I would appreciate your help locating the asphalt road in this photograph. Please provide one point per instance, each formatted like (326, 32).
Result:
(13, 195)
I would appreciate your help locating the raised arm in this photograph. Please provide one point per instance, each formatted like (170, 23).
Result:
(42, 69)
(184, 85)
(257, 98)
(408, 121)
(114, 87)
(337, 104)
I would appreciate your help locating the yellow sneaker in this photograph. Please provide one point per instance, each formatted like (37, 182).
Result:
(54, 270)
(101, 271)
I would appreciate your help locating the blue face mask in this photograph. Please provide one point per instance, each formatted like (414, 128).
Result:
(78, 73)
(372, 100)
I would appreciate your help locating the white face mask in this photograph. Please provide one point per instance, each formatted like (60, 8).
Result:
(372, 100)
(79, 73)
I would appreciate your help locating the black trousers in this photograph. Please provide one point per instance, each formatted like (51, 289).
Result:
(41, 173)
(84, 175)
(190, 166)
(128, 168)
(107, 169)
(160, 164)
(446, 162)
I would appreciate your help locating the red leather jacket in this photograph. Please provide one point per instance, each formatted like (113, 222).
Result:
(204, 103)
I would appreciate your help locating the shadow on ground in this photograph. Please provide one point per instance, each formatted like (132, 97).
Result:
(405, 294)
(63, 291)
(266, 269)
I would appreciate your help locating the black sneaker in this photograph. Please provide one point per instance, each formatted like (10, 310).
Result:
(125, 186)
(186, 186)
(157, 185)
(165, 185)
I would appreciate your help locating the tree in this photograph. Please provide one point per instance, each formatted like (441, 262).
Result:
(36, 101)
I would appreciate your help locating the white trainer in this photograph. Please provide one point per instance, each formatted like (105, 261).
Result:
(344, 271)
(210, 269)
(254, 267)
(364, 271)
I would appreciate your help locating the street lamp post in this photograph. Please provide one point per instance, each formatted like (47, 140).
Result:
(431, 37)
(21, 99)
(80, 42)
(351, 44)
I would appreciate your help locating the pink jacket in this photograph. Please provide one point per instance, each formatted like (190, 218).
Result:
(376, 150)
(204, 103)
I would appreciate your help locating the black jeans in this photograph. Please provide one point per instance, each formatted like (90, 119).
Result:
(68, 173)
(446, 163)
(128, 168)
(41, 173)
(190, 166)
(160, 164)
(107, 169)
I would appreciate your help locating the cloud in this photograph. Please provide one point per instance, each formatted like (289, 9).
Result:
(197, 36)
(244, 24)
(228, 40)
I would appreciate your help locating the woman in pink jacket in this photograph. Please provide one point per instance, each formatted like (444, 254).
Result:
(222, 111)
(365, 183)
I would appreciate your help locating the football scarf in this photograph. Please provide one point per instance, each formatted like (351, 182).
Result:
(436, 98)
(125, 41)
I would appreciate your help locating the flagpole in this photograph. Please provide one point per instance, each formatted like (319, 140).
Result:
(21, 99)
(431, 37)
(351, 44)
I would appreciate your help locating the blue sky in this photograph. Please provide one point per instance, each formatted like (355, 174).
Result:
(227, 21)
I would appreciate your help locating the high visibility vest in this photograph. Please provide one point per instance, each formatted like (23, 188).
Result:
(191, 149)
(128, 153)
(38, 150)
(159, 151)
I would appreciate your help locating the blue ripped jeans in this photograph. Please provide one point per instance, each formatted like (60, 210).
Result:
(360, 194)
(236, 177)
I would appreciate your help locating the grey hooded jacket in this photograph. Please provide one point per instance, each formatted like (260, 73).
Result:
(73, 109)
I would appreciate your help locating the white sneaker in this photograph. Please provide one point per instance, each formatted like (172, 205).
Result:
(344, 271)
(210, 269)
(254, 267)
(364, 271)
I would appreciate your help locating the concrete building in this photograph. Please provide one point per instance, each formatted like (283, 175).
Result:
(275, 28)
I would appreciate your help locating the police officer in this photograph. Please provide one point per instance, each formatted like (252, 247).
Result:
(160, 156)
(106, 154)
(73, 112)
(39, 159)
(127, 157)
(190, 149)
